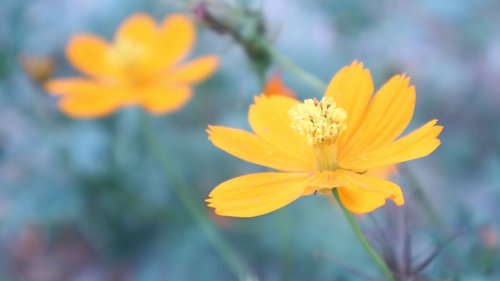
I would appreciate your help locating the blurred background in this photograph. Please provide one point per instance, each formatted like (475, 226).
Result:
(85, 200)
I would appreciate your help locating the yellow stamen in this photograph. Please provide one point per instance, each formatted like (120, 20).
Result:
(320, 122)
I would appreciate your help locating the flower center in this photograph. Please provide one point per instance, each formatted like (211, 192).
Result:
(321, 122)
(126, 55)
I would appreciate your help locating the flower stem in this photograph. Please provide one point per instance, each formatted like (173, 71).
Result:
(364, 243)
(300, 73)
(286, 245)
(182, 190)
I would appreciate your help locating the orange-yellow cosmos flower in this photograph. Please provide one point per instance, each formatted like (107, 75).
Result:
(275, 86)
(322, 144)
(142, 66)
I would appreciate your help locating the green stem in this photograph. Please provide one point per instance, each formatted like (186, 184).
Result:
(286, 63)
(364, 243)
(228, 255)
(286, 245)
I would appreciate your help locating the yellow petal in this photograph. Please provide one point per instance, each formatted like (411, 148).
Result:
(194, 71)
(351, 88)
(360, 201)
(251, 148)
(89, 54)
(61, 87)
(162, 99)
(257, 194)
(87, 99)
(326, 179)
(270, 120)
(419, 143)
(322, 181)
(135, 47)
(386, 117)
(138, 29)
(176, 39)
(331, 179)
(383, 172)
(363, 194)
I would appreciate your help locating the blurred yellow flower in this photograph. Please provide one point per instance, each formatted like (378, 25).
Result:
(317, 145)
(275, 86)
(142, 66)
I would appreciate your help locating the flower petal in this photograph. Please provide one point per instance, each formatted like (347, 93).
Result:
(251, 148)
(359, 200)
(176, 39)
(137, 29)
(363, 194)
(136, 42)
(66, 86)
(162, 99)
(270, 120)
(383, 172)
(257, 194)
(194, 71)
(321, 181)
(89, 54)
(418, 143)
(351, 88)
(276, 86)
(86, 99)
(387, 116)
(330, 179)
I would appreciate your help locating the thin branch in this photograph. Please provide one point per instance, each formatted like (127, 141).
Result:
(436, 252)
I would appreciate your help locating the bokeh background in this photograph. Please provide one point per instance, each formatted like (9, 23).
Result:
(85, 200)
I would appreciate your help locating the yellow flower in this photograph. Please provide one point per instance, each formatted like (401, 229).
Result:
(317, 145)
(142, 66)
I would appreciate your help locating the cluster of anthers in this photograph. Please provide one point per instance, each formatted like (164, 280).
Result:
(321, 122)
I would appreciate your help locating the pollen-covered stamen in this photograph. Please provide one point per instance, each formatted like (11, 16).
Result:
(320, 122)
